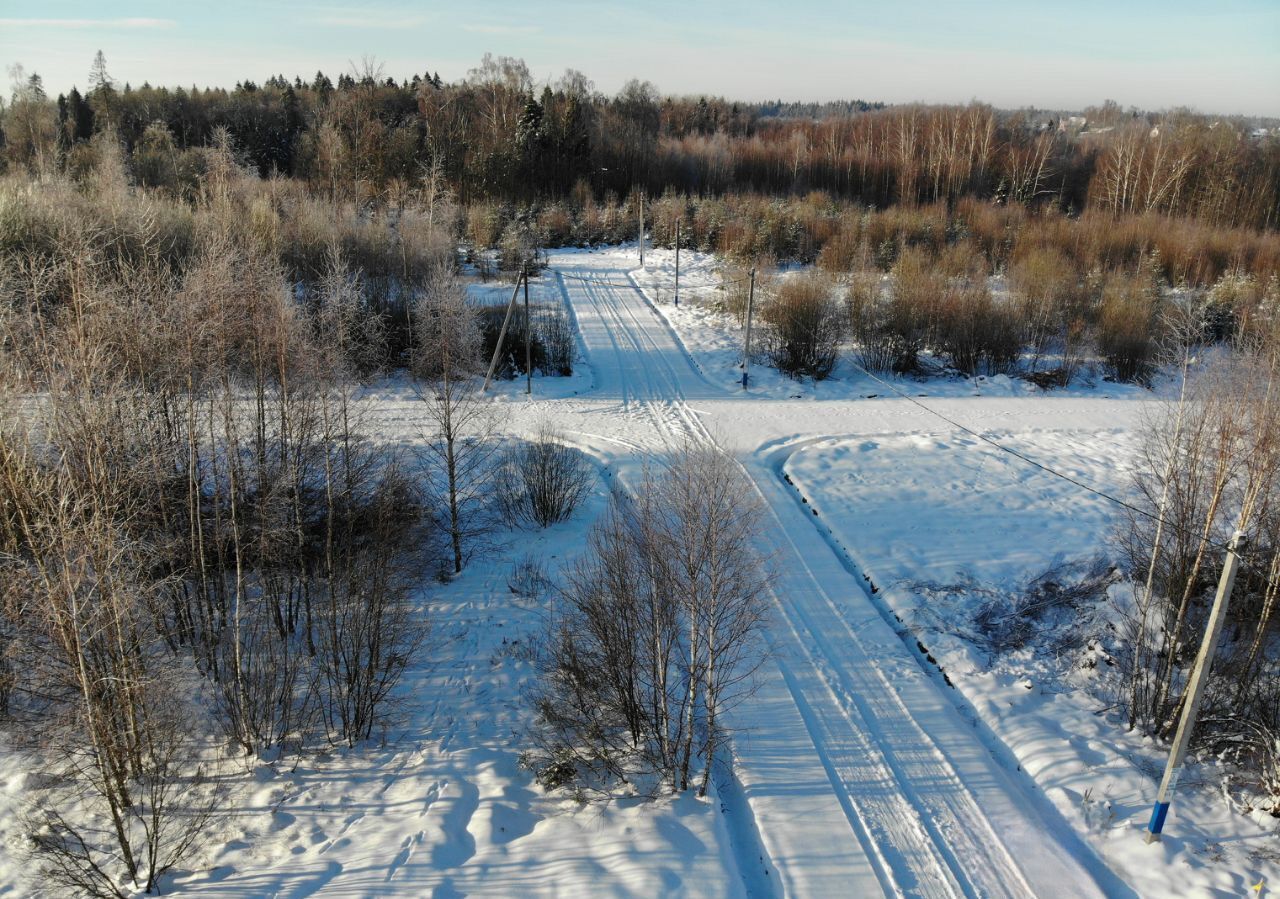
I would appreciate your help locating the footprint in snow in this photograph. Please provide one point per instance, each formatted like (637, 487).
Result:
(459, 844)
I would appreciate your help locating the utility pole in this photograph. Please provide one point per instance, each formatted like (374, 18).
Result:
(1195, 687)
(641, 229)
(528, 341)
(746, 350)
(497, 350)
(677, 263)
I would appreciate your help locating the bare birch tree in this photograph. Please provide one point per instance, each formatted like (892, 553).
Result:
(459, 448)
(659, 634)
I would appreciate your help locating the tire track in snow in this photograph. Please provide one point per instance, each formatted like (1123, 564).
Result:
(882, 815)
(941, 842)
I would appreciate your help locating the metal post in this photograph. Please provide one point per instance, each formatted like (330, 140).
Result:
(677, 263)
(502, 334)
(528, 341)
(1195, 688)
(746, 350)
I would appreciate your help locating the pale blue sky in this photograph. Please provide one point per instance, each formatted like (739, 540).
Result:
(1220, 57)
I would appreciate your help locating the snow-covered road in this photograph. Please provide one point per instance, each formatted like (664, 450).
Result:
(860, 772)
(857, 770)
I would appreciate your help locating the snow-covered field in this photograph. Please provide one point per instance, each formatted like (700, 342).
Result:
(858, 770)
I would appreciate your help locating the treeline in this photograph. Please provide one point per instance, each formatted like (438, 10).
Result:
(496, 135)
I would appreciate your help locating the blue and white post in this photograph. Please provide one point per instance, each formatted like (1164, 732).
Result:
(1195, 688)
(746, 347)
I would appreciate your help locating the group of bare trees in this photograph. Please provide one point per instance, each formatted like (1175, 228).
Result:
(201, 543)
(1209, 468)
(656, 632)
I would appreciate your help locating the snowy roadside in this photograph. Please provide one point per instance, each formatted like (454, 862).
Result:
(941, 524)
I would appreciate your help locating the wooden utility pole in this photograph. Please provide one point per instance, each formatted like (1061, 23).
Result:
(502, 334)
(746, 349)
(1195, 688)
(528, 341)
(677, 262)
(642, 229)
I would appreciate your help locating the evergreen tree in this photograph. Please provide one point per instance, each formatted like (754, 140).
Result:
(574, 143)
(35, 88)
(293, 126)
(529, 126)
(64, 139)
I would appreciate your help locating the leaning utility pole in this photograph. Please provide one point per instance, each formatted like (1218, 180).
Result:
(497, 350)
(528, 340)
(641, 229)
(1195, 688)
(677, 262)
(746, 349)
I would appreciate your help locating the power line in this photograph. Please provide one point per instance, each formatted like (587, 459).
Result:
(1047, 469)
(639, 286)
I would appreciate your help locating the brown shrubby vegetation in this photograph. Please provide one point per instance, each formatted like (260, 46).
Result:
(805, 327)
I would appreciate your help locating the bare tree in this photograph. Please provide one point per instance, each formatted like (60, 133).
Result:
(459, 448)
(659, 633)
(1209, 468)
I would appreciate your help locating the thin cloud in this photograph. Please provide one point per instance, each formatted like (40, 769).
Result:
(502, 29)
(135, 23)
(384, 21)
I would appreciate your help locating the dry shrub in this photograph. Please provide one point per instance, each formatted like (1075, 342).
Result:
(917, 291)
(483, 225)
(963, 259)
(1238, 306)
(805, 327)
(877, 343)
(846, 249)
(1127, 333)
(1046, 287)
(908, 226)
(542, 481)
(976, 332)
(993, 228)
(555, 226)
(555, 332)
